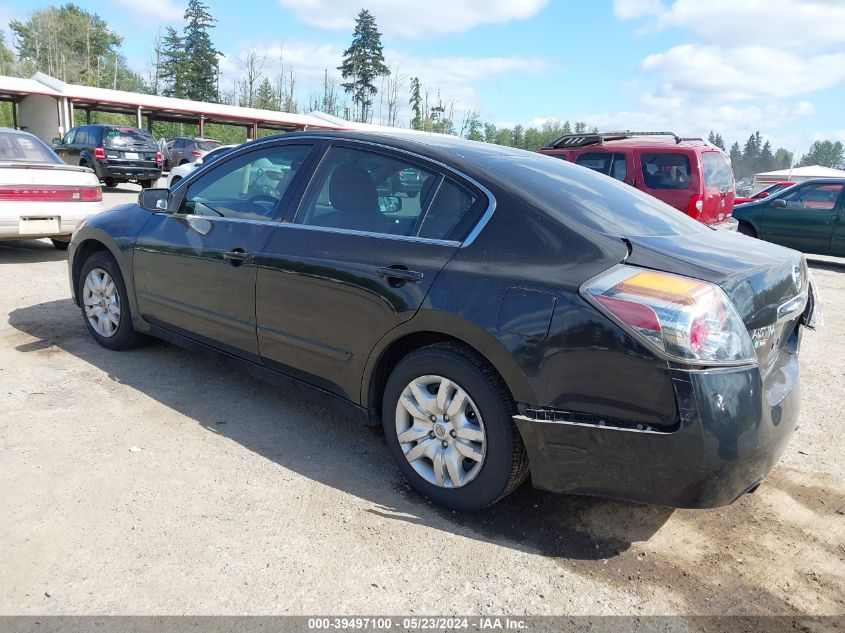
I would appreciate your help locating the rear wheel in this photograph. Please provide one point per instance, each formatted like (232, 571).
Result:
(147, 184)
(111, 183)
(746, 229)
(449, 427)
(60, 244)
(105, 304)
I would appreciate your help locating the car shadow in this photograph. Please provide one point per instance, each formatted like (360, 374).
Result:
(290, 429)
(833, 265)
(29, 252)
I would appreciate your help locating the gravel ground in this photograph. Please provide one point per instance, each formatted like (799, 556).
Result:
(154, 482)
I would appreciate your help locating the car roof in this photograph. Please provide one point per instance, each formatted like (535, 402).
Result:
(10, 130)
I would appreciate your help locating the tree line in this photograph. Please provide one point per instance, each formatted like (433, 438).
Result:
(78, 46)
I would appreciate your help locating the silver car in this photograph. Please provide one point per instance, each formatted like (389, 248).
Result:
(186, 149)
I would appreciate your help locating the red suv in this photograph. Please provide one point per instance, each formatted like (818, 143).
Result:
(689, 174)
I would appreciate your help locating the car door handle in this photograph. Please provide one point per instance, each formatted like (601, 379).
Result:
(237, 256)
(402, 274)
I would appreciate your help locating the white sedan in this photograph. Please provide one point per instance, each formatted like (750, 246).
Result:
(41, 196)
(179, 172)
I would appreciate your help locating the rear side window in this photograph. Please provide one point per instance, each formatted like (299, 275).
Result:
(613, 165)
(717, 171)
(450, 204)
(666, 170)
(125, 137)
(207, 145)
(83, 136)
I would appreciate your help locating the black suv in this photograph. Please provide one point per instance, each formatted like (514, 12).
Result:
(115, 153)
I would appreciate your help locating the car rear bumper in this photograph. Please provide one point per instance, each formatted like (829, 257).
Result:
(732, 428)
(126, 172)
(67, 217)
(728, 225)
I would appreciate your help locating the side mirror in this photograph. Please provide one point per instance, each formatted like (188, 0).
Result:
(763, 194)
(780, 203)
(155, 200)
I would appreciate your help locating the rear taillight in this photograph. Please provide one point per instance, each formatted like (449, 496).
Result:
(159, 158)
(696, 206)
(196, 153)
(55, 193)
(683, 319)
(99, 153)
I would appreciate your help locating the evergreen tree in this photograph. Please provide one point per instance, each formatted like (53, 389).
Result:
(783, 159)
(473, 127)
(719, 142)
(201, 59)
(266, 97)
(767, 158)
(736, 159)
(490, 133)
(518, 136)
(824, 153)
(363, 63)
(173, 67)
(580, 127)
(416, 103)
(712, 137)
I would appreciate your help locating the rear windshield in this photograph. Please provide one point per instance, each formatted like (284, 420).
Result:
(717, 171)
(126, 137)
(666, 170)
(25, 149)
(587, 198)
(207, 145)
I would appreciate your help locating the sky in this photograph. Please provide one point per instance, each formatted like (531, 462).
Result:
(689, 66)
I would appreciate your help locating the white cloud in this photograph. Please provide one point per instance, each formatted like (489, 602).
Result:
(163, 10)
(799, 24)
(630, 9)
(744, 73)
(398, 19)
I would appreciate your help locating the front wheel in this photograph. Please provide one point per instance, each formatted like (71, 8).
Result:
(105, 304)
(448, 424)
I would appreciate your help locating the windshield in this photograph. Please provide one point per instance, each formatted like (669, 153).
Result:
(23, 148)
(581, 195)
(126, 137)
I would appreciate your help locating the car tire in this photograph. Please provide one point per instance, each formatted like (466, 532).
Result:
(184, 162)
(483, 428)
(60, 245)
(121, 336)
(746, 229)
(111, 183)
(147, 184)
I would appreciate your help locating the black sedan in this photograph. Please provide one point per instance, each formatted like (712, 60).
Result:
(521, 315)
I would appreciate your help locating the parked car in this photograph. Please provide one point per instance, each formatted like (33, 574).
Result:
(521, 315)
(41, 196)
(691, 175)
(116, 153)
(765, 193)
(178, 173)
(809, 217)
(182, 150)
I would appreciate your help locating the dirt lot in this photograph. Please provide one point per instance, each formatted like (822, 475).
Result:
(244, 498)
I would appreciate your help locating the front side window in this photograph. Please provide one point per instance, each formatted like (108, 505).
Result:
(68, 140)
(248, 187)
(816, 197)
(666, 170)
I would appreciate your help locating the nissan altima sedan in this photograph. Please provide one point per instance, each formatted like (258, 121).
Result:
(521, 316)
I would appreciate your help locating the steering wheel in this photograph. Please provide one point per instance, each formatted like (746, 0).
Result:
(263, 197)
